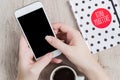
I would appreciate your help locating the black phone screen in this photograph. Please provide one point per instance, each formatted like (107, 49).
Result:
(36, 26)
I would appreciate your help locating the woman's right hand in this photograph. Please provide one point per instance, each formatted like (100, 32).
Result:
(70, 42)
(72, 45)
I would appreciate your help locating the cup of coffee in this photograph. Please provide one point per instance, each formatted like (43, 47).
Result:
(64, 73)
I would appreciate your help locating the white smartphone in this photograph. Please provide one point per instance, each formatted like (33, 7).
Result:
(35, 26)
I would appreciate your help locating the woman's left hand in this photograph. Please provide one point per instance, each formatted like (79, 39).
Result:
(28, 69)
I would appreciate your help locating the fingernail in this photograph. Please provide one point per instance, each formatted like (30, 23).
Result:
(48, 38)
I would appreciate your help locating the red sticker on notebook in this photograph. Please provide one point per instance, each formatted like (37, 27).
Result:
(101, 18)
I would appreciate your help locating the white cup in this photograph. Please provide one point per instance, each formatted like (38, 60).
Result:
(61, 67)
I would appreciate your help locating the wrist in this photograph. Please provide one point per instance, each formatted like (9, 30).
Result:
(95, 73)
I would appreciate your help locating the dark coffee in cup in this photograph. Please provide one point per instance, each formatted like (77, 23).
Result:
(64, 74)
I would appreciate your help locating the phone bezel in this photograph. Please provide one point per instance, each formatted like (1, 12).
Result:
(28, 9)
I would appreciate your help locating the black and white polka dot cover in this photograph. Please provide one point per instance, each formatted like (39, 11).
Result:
(99, 22)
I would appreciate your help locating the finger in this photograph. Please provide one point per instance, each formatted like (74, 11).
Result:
(55, 27)
(23, 44)
(61, 27)
(42, 63)
(69, 31)
(24, 50)
(57, 61)
(57, 44)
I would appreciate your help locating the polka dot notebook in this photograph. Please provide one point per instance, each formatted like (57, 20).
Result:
(99, 22)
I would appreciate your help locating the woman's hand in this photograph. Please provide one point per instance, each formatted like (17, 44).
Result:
(72, 45)
(28, 69)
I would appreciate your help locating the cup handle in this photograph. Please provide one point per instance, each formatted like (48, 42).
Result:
(80, 78)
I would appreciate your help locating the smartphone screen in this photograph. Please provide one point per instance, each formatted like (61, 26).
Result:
(36, 26)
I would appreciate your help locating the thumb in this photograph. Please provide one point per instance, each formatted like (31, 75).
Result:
(57, 43)
(42, 63)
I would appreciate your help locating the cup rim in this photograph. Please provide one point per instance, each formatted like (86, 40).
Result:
(60, 67)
